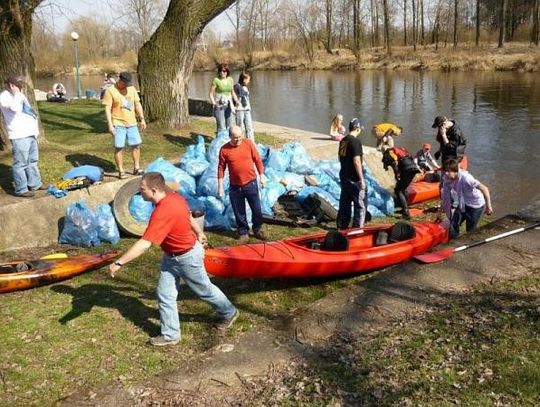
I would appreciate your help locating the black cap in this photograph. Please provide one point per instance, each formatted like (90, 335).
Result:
(125, 77)
(438, 121)
(355, 124)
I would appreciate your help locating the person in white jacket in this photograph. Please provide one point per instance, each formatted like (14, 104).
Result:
(22, 127)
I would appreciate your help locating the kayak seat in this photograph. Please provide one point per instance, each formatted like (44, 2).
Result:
(335, 242)
(401, 231)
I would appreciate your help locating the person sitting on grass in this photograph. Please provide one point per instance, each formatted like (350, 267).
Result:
(337, 129)
(471, 196)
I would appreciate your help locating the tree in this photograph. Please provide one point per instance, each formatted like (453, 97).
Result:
(387, 40)
(536, 21)
(329, 14)
(502, 23)
(15, 47)
(405, 22)
(477, 34)
(166, 59)
(455, 23)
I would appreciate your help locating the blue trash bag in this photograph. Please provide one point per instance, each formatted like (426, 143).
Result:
(213, 213)
(301, 162)
(378, 196)
(208, 184)
(293, 181)
(272, 175)
(140, 209)
(106, 224)
(278, 160)
(80, 226)
(194, 203)
(173, 173)
(212, 154)
(194, 159)
(269, 196)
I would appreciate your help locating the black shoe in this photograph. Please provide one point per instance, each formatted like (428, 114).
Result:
(260, 235)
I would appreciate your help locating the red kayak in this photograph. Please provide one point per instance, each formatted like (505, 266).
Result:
(421, 191)
(21, 275)
(301, 257)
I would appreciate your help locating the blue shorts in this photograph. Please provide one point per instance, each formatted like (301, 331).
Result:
(131, 134)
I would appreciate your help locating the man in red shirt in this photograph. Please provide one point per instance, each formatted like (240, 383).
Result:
(173, 228)
(240, 155)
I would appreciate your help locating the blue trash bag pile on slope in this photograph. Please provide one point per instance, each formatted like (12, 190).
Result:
(285, 168)
(84, 227)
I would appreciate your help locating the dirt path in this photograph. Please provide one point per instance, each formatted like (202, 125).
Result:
(397, 294)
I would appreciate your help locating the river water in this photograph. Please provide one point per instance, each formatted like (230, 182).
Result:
(499, 113)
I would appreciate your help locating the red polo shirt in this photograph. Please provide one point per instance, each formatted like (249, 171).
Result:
(169, 225)
(241, 160)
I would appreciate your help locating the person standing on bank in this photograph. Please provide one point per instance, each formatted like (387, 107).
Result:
(351, 176)
(122, 107)
(451, 141)
(223, 97)
(472, 198)
(243, 110)
(173, 228)
(240, 155)
(22, 127)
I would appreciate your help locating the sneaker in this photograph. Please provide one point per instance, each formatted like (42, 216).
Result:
(227, 323)
(27, 194)
(161, 341)
(243, 238)
(122, 175)
(42, 187)
(138, 171)
(260, 235)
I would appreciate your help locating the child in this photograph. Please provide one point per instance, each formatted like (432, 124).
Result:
(243, 110)
(425, 160)
(337, 129)
(385, 133)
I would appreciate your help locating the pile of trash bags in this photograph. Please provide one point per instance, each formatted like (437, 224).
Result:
(286, 169)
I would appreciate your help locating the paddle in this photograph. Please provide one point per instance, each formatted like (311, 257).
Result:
(443, 254)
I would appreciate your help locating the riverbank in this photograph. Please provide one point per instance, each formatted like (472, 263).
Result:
(516, 57)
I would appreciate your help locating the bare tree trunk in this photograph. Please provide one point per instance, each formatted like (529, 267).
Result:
(329, 6)
(477, 36)
(356, 28)
(502, 23)
(422, 23)
(414, 23)
(15, 55)
(166, 60)
(387, 40)
(405, 22)
(455, 23)
(535, 17)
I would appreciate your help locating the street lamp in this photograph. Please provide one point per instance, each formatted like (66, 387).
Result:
(75, 37)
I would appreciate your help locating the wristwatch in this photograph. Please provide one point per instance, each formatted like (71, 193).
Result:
(117, 263)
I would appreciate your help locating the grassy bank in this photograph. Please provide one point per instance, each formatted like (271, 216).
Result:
(516, 57)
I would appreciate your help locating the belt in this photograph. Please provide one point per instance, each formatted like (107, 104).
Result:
(178, 253)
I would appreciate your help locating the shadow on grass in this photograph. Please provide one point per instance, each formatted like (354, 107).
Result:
(89, 159)
(75, 120)
(89, 296)
(179, 141)
(6, 181)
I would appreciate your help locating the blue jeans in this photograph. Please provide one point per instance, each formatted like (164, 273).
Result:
(471, 217)
(189, 267)
(351, 193)
(243, 120)
(25, 164)
(224, 117)
(239, 195)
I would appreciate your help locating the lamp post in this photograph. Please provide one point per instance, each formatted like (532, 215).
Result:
(75, 37)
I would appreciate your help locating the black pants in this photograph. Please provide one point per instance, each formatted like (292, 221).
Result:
(401, 190)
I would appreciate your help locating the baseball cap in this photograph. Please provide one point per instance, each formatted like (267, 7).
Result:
(438, 121)
(427, 146)
(16, 80)
(125, 77)
(355, 124)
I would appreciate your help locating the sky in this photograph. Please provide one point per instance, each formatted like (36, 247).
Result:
(59, 13)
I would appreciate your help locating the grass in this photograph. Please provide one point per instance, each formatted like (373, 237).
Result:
(91, 330)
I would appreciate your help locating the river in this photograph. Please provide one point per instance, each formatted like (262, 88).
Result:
(499, 112)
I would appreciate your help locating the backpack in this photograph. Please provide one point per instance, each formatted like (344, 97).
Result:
(335, 242)
(401, 152)
(92, 172)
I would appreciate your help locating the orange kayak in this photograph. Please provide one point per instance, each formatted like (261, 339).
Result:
(21, 275)
(421, 191)
(297, 257)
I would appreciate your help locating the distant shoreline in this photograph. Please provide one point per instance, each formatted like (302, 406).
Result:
(513, 57)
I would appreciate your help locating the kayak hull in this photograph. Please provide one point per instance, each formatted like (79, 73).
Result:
(22, 275)
(294, 257)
